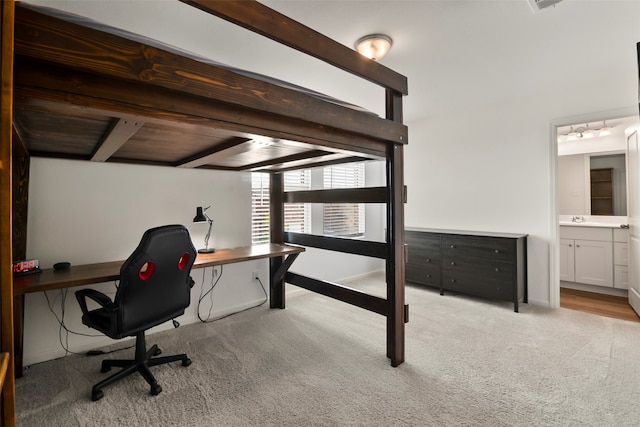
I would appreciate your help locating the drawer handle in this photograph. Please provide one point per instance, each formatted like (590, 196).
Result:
(428, 259)
(428, 276)
(453, 263)
(497, 270)
(453, 246)
(497, 251)
(453, 280)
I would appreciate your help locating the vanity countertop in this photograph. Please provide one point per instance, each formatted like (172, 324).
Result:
(592, 224)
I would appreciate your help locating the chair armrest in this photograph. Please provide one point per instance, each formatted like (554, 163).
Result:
(191, 282)
(103, 300)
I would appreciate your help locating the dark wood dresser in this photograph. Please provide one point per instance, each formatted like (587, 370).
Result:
(484, 264)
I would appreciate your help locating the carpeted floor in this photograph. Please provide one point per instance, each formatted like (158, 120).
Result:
(320, 362)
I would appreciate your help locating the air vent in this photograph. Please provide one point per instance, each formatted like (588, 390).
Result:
(537, 5)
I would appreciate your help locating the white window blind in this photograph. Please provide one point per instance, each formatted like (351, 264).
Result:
(297, 216)
(344, 219)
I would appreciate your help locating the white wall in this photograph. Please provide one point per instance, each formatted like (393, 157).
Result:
(481, 156)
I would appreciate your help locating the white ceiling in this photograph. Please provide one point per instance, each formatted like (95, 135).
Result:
(456, 54)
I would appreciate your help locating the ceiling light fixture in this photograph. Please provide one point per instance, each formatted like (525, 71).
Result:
(605, 130)
(374, 46)
(584, 132)
(587, 133)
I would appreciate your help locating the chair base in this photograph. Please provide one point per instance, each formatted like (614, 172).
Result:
(143, 361)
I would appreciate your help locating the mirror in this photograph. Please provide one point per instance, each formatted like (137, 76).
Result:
(592, 177)
(608, 185)
(592, 184)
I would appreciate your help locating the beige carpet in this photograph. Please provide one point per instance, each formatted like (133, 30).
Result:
(321, 362)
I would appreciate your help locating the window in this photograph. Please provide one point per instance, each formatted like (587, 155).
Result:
(297, 216)
(339, 219)
(344, 219)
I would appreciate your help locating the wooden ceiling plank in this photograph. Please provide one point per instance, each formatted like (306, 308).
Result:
(117, 136)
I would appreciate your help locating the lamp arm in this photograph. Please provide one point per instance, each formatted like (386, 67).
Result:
(206, 238)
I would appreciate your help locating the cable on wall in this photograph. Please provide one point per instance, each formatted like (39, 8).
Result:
(210, 293)
(64, 331)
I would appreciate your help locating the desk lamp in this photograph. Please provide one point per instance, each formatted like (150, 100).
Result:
(201, 216)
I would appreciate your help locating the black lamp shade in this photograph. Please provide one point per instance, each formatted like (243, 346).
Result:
(200, 217)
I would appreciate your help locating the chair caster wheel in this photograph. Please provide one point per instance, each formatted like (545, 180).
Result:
(96, 395)
(186, 361)
(156, 389)
(157, 352)
(105, 368)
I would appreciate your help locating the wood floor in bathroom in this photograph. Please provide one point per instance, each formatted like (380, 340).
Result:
(603, 305)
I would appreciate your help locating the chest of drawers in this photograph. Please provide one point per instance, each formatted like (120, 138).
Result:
(489, 265)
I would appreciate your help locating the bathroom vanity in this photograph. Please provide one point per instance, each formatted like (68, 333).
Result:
(594, 253)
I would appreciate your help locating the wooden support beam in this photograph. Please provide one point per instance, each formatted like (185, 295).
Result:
(341, 195)
(265, 21)
(116, 137)
(8, 395)
(339, 244)
(339, 292)
(276, 218)
(395, 239)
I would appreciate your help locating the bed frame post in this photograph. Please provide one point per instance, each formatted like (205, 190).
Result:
(7, 372)
(276, 213)
(396, 316)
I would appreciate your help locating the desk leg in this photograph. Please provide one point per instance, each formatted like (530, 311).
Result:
(18, 333)
(276, 287)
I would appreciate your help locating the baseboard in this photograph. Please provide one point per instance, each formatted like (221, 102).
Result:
(634, 299)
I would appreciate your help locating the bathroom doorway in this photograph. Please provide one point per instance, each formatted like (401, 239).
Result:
(580, 137)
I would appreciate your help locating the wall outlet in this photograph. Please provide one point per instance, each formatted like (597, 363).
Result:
(256, 275)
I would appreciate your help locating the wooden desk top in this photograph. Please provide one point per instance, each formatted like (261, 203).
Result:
(87, 274)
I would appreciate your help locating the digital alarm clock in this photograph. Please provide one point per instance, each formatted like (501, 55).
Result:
(27, 266)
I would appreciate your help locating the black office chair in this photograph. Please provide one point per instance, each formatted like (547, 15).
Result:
(155, 286)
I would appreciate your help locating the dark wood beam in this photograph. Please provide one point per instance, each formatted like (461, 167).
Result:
(39, 83)
(8, 394)
(340, 292)
(265, 21)
(339, 244)
(341, 195)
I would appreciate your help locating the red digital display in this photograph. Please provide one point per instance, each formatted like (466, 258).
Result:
(25, 266)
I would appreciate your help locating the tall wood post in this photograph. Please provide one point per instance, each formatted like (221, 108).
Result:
(7, 9)
(276, 223)
(395, 238)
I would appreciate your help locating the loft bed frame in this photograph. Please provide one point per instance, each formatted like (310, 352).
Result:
(70, 90)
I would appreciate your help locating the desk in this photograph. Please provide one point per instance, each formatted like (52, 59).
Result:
(88, 274)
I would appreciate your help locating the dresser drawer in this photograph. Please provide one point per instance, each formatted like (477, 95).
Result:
(428, 274)
(469, 283)
(424, 243)
(477, 247)
(495, 271)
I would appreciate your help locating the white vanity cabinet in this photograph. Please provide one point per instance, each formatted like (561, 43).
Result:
(586, 255)
(620, 258)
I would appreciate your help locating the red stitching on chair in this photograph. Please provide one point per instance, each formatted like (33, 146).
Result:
(184, 260)
(146, 270)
